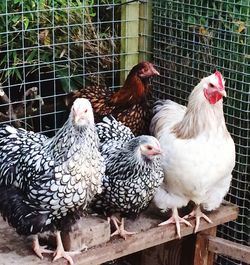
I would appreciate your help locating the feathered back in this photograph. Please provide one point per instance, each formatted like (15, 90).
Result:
(166, 114)
(111, 129)
(129, 104)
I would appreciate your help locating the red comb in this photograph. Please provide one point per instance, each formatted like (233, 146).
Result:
(220, 78)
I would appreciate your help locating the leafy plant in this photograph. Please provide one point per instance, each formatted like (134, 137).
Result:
(209, 34)
(52, 35)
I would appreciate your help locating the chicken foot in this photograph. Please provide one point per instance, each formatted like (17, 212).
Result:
(176, 219)
(198, 214)
(39, 250)
(60, 252)
(119, 225)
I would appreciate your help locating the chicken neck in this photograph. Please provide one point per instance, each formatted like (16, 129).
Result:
(200, 117)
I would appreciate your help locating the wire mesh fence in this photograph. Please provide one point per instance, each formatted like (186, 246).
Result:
(191, 39)
(48, 48)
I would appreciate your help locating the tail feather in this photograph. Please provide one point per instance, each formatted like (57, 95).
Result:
(111, 129)
(19, 214)
(15, 145)
(10, 146)
(5, 131)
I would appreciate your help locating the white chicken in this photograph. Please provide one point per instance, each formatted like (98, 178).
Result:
(199, 153)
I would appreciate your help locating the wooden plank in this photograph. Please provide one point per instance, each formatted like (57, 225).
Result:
(210, 255)
(201, 255)
(129, 37)
(145, 31)
(228, 248)
(152, 237)
(13, 250)
(88, 231)
(175, 252)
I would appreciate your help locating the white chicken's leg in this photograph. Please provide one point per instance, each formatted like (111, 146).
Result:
(39, 250)
(175, 218)
(120, 230)
(60, 252)
(198, 214)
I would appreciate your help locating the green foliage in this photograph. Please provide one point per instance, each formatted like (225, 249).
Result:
(36, 33)
(218, 33)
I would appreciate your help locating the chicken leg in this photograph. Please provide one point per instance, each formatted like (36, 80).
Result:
(198, 214)
(119, 225)
(60, 252)
(175, 218)
(39, 250)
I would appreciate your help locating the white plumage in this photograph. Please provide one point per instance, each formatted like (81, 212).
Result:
(199, 153)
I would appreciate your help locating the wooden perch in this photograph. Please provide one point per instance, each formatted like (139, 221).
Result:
(228, 248)
(15, 251)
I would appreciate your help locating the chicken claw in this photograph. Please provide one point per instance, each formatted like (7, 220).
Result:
(176, 219)
(198, 214)
(120, 230)
(61, 253)
(39, 250)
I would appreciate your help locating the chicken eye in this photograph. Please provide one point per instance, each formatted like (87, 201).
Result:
(149, 148)
(211, 85)
(143, 70)
(86, 110)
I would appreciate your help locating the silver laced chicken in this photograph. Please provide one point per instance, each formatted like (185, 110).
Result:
(133, 172)
(44, 182)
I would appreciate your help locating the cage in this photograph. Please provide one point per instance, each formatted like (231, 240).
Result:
(50, 47)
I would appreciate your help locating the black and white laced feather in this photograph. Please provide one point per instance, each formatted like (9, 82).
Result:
(132, 175)
(43, 181)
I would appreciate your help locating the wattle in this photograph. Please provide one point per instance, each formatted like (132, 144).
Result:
(214, 97)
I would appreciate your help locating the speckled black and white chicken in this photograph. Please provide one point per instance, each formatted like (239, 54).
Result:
(44, 181)
(133, 172)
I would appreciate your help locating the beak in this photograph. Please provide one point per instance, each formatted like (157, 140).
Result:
(157, 151)
(155, 72)
(77, 118)
(223, 93)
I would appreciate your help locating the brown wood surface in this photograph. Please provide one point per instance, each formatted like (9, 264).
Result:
(229, 248)
(201, 255)
(14, 251)
(167, 253)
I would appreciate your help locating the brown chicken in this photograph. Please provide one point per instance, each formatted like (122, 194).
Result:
(129, 105)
